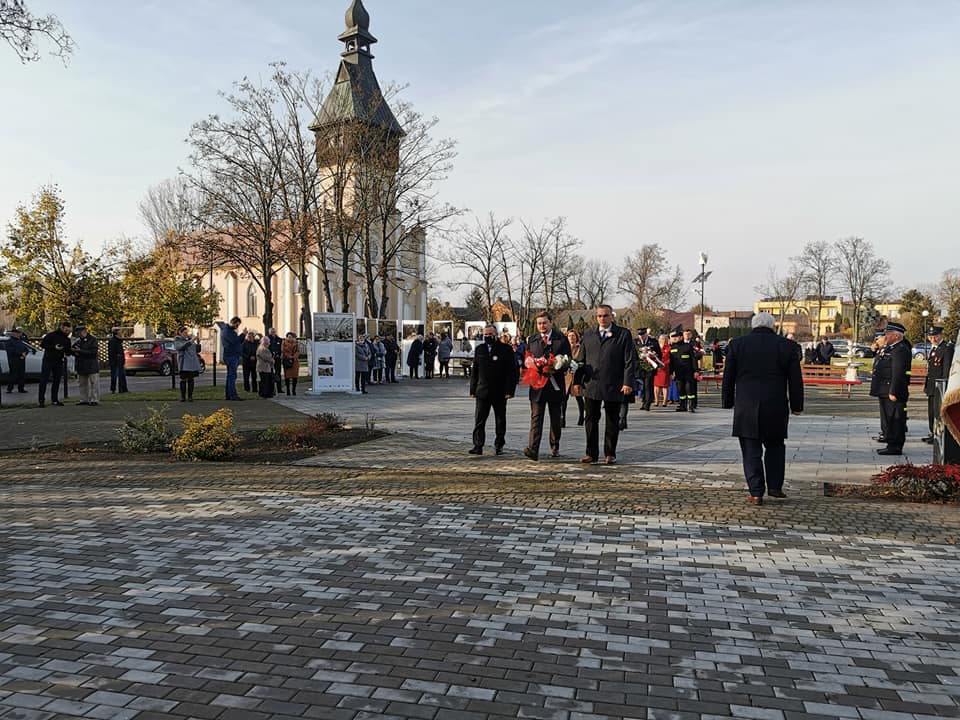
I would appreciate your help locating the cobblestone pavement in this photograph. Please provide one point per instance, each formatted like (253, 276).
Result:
(403, 579)
(135, 603)
(824, 446)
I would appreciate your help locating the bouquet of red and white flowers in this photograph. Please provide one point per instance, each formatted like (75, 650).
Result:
(649, 362)
(538, 371)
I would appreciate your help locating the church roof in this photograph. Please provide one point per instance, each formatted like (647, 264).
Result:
(356, 94)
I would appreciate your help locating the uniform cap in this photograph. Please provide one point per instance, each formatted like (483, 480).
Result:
(677, 331)
(78, 328)
(896, 327)
(641, 331)
(879, 334)
(935, 330)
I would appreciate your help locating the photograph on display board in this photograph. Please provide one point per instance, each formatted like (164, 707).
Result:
(388, 328)
(333, 328)
(361, 326)
(411, 329)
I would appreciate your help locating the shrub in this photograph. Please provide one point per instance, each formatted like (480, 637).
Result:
(311, 431)
(270, 434)
(150, 433)
(921, 482)
(207, 438)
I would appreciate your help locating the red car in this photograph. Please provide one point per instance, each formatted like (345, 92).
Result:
(152, 356)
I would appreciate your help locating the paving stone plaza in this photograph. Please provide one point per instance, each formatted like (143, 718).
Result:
(404, 579)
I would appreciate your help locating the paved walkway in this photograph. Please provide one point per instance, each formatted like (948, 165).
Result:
(402, 578)
(821, 447)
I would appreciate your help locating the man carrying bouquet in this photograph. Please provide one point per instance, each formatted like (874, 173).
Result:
(605, 376)
(546, 364)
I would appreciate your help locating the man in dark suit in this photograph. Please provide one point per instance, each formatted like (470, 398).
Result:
(607, 374)
(892, 370)
(493, 380)
(938, 368)
(762, 373)
(545, 342)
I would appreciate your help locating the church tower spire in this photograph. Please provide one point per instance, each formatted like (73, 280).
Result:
(356, 94)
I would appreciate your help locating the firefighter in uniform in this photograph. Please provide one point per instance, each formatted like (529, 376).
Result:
(938, 367)
(684, 363)
(646, 375)
(893, 378)
(879, 349)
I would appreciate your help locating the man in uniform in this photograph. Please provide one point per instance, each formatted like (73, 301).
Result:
(684, 363)
(893, 377)
(645, 373)
(879, 349)
(493, 380)
(938, 368)
(17, 350)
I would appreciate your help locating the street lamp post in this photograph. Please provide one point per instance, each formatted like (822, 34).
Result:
(702, 279)
(926, 347)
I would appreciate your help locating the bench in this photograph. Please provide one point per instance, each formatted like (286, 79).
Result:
(829, 375)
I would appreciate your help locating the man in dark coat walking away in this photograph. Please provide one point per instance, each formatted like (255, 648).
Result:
(763, 384)
(605, 377)
(892, 370)
(546, 341)
(492, 382)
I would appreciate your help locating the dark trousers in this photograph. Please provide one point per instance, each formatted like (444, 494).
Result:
(52, 373)
(611, 430)
(763, 460)
(933, 409)
(566, 399)
(895, 414)
(482, 412)
(414, 371)
(687, 389)
(118, 378)
(267, 385)
(390, 368)
(250, 375)
(445, 368)
(18, 373)
(646, 390)
(555, 408)
(883, 421)
(360, 380)
(428, 363)
(230, 384)
(278, 373)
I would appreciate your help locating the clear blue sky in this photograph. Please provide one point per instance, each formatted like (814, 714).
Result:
(740, 128)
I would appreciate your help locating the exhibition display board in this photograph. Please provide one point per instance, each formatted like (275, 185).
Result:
(334, 335)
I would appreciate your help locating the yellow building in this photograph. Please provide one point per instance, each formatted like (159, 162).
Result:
(822, 312)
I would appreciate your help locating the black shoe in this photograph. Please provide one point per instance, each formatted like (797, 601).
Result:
(57, 403)
(693, 410)
(476, 450)
(890, 451)
(880, 439)
(82, 402)
(680, 409)
(778, 494)
(42, 404)
(580, 421)
(927, 439)
(623, 424)
(563, 422)
(647, 408)
(498, 451)
(528, 453)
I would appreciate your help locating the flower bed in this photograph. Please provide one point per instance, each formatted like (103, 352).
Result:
(912, 483)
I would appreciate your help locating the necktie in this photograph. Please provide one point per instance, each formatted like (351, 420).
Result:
(546, 339)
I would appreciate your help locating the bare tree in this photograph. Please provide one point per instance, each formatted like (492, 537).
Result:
(818, 264)
(591, 282)
(862, 272)
(237, 178)
(782, 289)
(169, 210)
(22, 29)
(479, 251)
(399, 205)
(948, 292)
(648, 279)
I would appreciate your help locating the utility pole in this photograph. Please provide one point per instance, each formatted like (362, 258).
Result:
(702, 279)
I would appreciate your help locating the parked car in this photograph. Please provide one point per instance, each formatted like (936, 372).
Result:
(921, 350)
(841, 346)
(152, 356)
(34, 361)
(862, 351)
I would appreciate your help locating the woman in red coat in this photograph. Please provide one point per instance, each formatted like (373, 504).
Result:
(661, 381)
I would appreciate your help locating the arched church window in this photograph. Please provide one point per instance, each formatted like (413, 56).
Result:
(252, 300)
